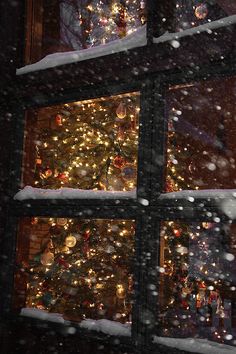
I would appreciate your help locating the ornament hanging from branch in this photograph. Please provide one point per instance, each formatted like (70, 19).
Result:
(201, 11)
(121, 111)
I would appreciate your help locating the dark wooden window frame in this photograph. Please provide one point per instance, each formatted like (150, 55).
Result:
(59, 85)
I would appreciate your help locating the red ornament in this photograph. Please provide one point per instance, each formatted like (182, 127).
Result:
(34, 221)
(86, 235)
(177, 232)
(118, 161)
(48, 173)
(62, 176)
(58, 119)
(62, 262)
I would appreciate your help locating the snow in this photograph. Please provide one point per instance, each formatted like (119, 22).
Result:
(42, 315)
(71, 193)
(105, 326)
(192, 345)
(133, 40)
(108, 327)
(136, 39)
(208, 27)
(197, 194)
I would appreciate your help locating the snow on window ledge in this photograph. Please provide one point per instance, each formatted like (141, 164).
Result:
(198, 194)
(104, 326)
(137, 38)
(71, 193)
(208, 27)
(192, 345)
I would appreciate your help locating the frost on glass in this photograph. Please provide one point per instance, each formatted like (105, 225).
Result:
(201, 147)
(192, 13)
(77, 268)
(198, 280)
(90, 145)
(66, 25)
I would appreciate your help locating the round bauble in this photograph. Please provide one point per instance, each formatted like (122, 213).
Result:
(118, 161)
(70, 241)
(47, 258)
(129, 172)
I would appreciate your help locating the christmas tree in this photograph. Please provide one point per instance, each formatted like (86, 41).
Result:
(88, 145)
(89, 23)
(83, 268)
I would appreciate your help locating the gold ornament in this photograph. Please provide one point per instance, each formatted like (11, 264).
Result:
(61, 221)
(121, 111)
(47, 258)
(70, 241)
(120, 291)
(201, 11)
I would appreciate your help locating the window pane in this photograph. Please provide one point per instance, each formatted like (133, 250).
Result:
(192, 13)
(89, 144)
(201, 151)
(61, 26)
(77, 268)
(198, 283)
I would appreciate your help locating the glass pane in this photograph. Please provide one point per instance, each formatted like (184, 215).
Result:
(192, 13)
(62, 26)
(77, 268)
(198, 280)
(89, 144)
(201, 151)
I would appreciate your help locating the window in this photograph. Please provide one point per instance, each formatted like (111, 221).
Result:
(65, 26)
(90, 144)
(119, 211)
(76, 268)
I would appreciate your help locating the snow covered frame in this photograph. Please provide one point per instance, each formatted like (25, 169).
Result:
(165, 66)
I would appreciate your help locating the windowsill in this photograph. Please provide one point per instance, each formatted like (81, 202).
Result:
(200, 194)
(195, 345)
(134, 40)
(208, 27)
(111, 328)
(31, 193)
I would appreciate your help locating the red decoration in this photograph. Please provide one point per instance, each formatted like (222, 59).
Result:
(118, 161)
(38, 161)
(177, 232)
(48, 173)
(62, 262)
(86, 235)
(34, 221)
(58, 119)
(62, 176)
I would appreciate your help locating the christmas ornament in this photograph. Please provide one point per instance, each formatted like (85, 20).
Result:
(34, 221)
(118, 161)
(86, 235)
(61, 221)
(47, 258)
(129, 172)
(58, 119)
(70, 241)
(48, 173)
(65, 249)
(38, 161)
(120, 291)
(47, 299)
(61, 261)
(121, 111)
(62, 176)
(201, 11)
(177, 232)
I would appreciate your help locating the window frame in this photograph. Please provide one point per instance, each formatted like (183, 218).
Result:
(61, 83)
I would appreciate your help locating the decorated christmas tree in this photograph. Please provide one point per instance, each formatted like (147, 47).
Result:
(83, 268)
(88, 145)
(89, 23)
